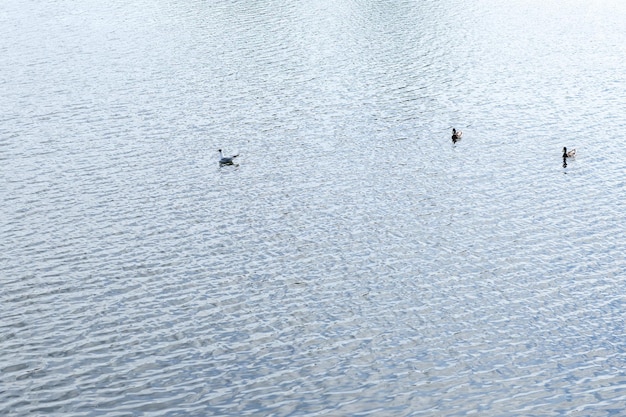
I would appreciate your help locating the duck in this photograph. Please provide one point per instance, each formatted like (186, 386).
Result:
(569, 154)
(226, 160)
(456, 135)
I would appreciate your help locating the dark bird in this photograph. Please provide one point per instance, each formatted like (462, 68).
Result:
(456, 135)
(569, 154)
(226, 160)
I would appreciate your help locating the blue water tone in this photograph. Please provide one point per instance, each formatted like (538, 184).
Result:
(354, 261)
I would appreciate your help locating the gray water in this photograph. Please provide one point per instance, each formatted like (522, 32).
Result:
(355, 261)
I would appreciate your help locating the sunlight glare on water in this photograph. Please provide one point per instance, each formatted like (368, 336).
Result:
(354, 261)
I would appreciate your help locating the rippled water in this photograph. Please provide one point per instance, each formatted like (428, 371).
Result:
(355, 261)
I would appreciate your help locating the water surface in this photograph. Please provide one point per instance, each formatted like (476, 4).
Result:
(355, 262)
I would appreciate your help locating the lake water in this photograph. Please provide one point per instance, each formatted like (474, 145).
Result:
(355, 261)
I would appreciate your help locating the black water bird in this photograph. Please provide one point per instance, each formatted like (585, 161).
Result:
(456, 135)
(226, 160)
(569, 154)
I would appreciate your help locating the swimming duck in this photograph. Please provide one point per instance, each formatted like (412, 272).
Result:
(456, 135)
(226, 160)
(569, 154)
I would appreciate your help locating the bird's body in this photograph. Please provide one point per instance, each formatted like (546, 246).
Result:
(226, 160)
(456, 135)
(568, 154)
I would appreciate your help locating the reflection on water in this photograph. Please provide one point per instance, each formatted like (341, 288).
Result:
(351, 261)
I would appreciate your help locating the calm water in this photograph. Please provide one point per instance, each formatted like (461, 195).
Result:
(355, 262)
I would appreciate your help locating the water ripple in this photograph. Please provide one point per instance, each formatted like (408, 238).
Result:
(355, 262)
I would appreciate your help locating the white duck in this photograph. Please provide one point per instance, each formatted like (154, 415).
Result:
(226, 160)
